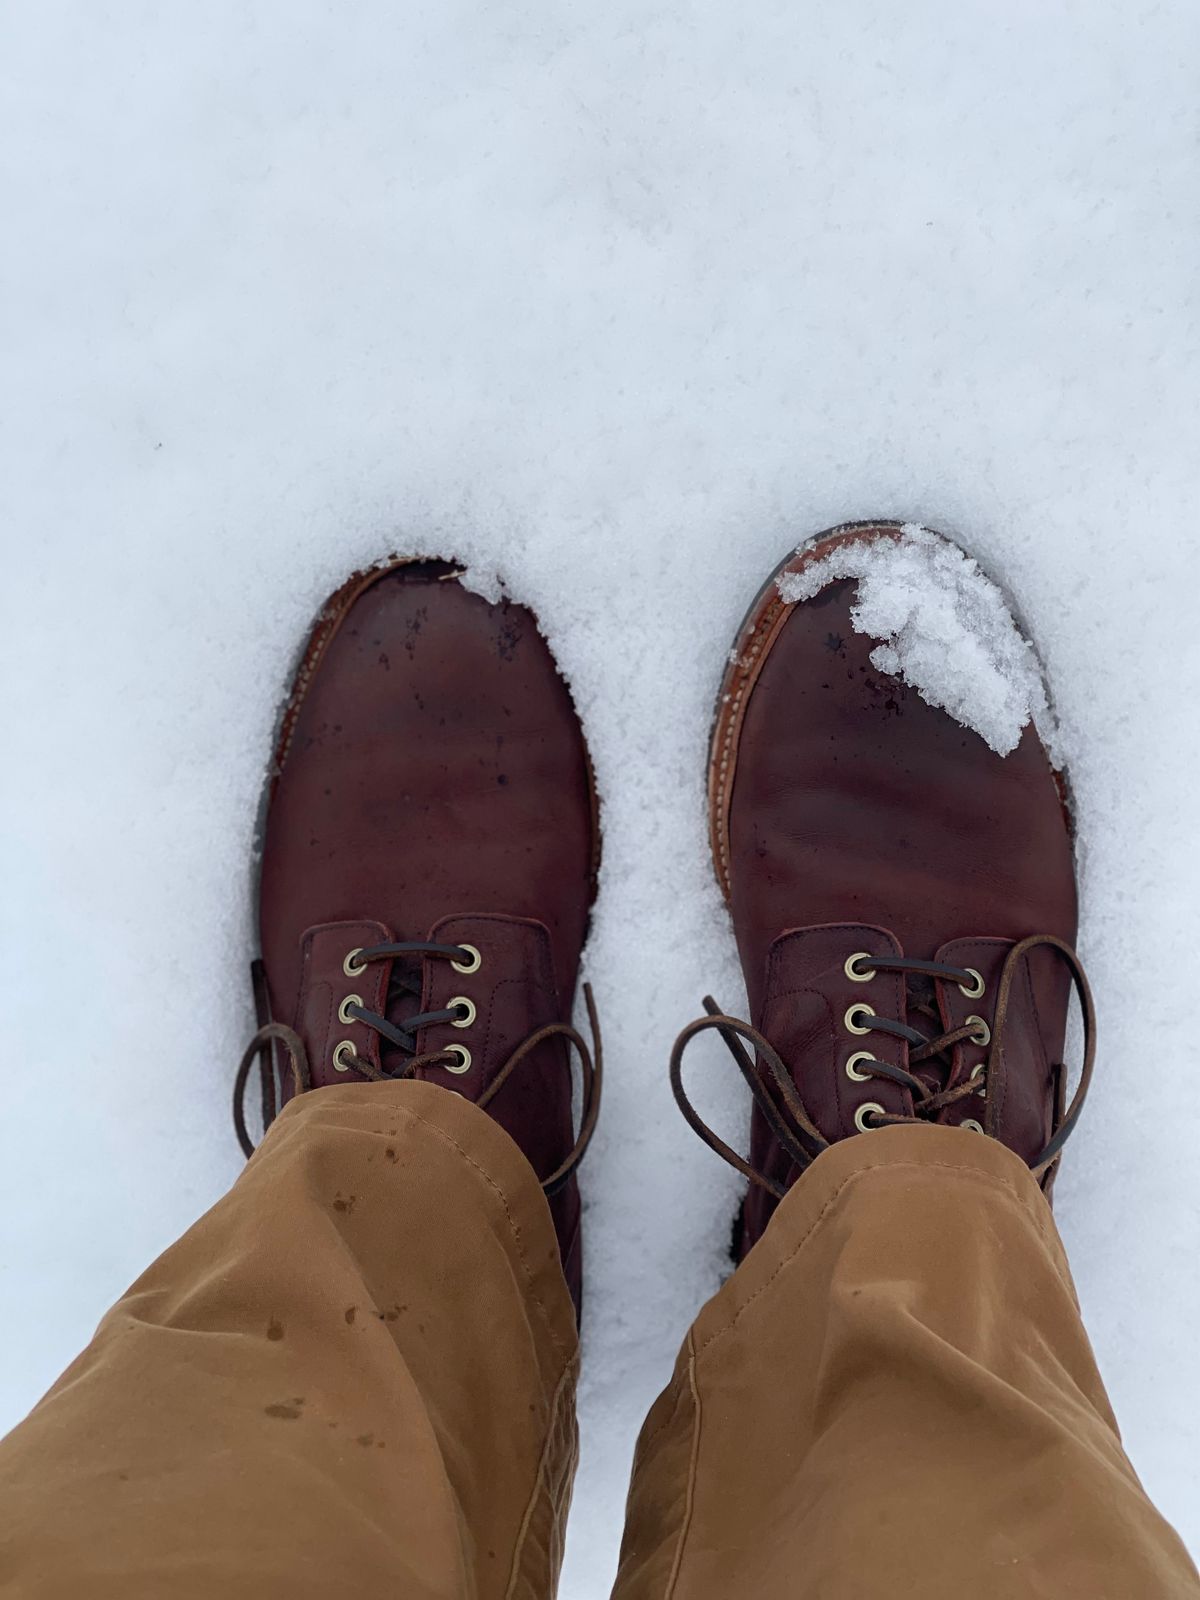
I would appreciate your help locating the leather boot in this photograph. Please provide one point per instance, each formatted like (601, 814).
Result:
(429, 861)
(903, 899)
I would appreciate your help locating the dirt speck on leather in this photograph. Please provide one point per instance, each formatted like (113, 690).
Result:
(274, 1329)
(285, 1413)
(507, 641)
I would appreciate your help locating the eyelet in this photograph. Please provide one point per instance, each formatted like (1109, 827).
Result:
(980, 986)
(969, 1122)
(471, 965)
(352, 968)
(340, 1051)
(850, 971)
(350, 1000)
(983, 1034)
(858, 1009)
(465, 1005)
(979, 1076)
(871, 1108)
(464, 1059)
(852, 1071)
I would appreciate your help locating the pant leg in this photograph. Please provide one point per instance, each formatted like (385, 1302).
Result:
(354, 1376)
(894, 1396)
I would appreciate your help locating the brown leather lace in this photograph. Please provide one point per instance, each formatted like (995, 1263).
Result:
(777, 1098)
(270, 1034)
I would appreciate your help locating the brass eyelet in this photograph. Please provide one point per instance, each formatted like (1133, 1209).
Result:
(343, 1012)
(464, 1059)
(969, 1122)
(474, 962)
(340, 1052)
(466, 1006)
(353, 968)
(858, 1009)
(851, 971)
(852, 1071)
(980, 986)
(983, 1034)
(871, 1108)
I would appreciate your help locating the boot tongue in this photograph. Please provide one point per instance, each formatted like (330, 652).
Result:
(922, 1012)
(920, 1001)
(403, 1002)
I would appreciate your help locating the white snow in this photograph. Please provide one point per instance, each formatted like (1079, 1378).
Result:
(945, 626)
(618, 302)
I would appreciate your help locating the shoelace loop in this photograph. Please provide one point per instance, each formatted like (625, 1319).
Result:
(403, 1037)
(777, 1098)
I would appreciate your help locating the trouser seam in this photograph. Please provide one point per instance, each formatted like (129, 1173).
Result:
(539, 1482)
(689, 1501)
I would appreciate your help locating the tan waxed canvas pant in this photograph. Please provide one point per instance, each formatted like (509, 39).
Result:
(355, 1377)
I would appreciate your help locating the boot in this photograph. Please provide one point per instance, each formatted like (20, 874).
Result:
(903, 895)
(429, 862)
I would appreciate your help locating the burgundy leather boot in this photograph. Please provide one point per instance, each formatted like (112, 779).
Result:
(428, 866)
(903, 899)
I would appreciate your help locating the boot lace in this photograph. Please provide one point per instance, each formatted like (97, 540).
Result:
(931, 1085)
(398, 1030)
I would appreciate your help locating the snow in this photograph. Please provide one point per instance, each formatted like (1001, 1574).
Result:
(618, 303)
(945, 626)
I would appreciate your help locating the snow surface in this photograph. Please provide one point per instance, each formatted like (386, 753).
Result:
(618, 302)
(946, 630)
